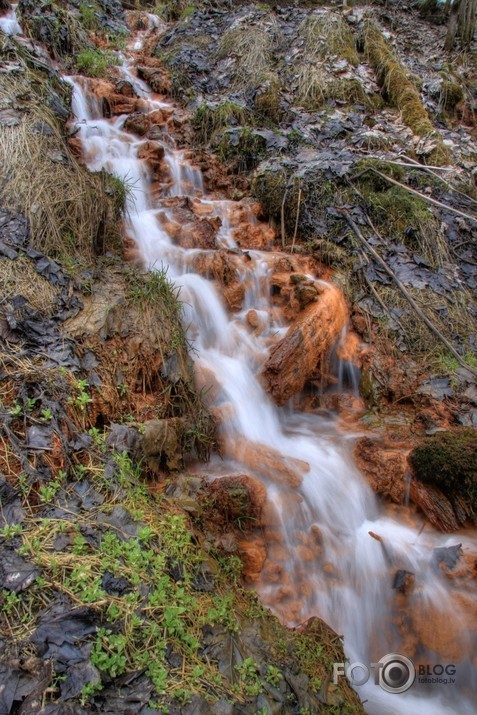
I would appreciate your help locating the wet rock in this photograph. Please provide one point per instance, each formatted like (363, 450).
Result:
(137, 123)
(23, 684)
(115, 586)
(436, 631)
(62, 634)
(123, 439)
(446, 463)
(156, 78)
(404, 581)
(222, 266)
(435, 506)
(294, 359)
(12, 511)
(384, 468)
(162, 444)
(267, 462)
(253, 553)
(446, 557)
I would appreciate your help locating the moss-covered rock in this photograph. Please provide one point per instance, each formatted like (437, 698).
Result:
(451, 94)
(448, 460)
(401, 91)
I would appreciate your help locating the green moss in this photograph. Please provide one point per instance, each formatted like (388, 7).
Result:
(269, 186)
(244, 147)
(448, 460)
(400, 89)
(208, 119)
(267, 98)
(451, 94)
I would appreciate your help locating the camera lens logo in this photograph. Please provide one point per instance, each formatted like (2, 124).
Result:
(396, 673)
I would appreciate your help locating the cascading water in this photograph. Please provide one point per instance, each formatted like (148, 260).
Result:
(9, 23)
(322, 559)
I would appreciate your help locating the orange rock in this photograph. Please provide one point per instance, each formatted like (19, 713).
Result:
(306, 554)
(267, 462)
(238, 499)
(438, 631)
(254, 237)
(221, 265)
(435, 505)
(253, 554)
(294, 359)
(385, 469)
(137, 123)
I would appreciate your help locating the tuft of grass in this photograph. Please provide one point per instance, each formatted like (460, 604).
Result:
(311, 86)
(253, 47)
(20, 278)
(326, 35)
(209, 120)
(94, 62)
(68, 208)
(88, 16)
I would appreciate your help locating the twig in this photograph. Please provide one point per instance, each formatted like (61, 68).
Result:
(383, 304)
(413, 164)
(429, 199)
(297, 219)
(282, 216)
(407, 295)
(432, 171)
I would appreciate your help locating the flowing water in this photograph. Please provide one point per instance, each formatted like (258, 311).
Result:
(322, 560)
(9, 23)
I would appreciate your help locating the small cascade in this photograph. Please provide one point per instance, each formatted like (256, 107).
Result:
(332, 550)
(9, 23)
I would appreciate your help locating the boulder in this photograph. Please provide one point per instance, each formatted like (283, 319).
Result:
(238, 499)
(385, 469)
(162, 444)
(435, 506)
(296, 357)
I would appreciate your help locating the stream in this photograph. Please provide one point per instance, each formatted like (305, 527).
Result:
(321, 559)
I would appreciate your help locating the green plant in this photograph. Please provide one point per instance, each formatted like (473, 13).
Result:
(47, 492)
(95, 63)
(88, 16)
(81, 397)
(108, 652)
(16, 410)
(274, 675)
(10, 600)
(88, 691)
(249, 673)
(46, 414)
(9, 531)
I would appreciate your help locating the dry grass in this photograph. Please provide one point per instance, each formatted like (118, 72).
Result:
(253, 47)
(68, 208)
(328, 35)
(311, 85)
(20, 278)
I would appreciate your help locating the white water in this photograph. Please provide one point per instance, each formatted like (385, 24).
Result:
(9, 23)
(349, 584)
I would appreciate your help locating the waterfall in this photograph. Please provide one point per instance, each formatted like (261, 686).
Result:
(9, 23)
(322, 560)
